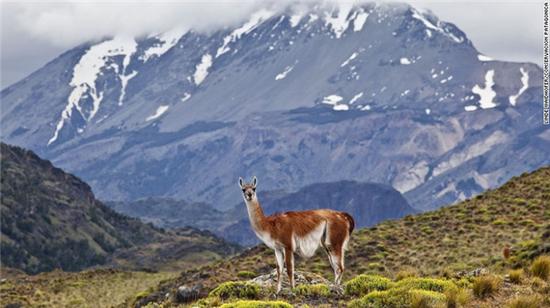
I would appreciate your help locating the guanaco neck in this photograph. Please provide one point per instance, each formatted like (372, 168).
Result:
(255, 213)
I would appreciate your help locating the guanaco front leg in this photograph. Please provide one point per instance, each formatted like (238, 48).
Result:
(280, 267)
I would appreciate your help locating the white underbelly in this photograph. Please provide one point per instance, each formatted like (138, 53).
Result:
(306, 245)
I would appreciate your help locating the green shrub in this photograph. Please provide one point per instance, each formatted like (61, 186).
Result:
(315, 290)
(257, 304)
(376, 299)
(526, 301)
(399, 298)
(428, 284)
(364, 284)
(484, 286)
(426, 299)
(246, 274)
(516, 276)
(541, 267)
(236, 289)
(457, 298)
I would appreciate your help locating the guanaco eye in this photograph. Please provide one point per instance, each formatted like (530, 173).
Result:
(253, 189)
(244, 190)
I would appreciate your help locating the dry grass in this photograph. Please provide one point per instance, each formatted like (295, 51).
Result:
(541, 267)
(94, 288)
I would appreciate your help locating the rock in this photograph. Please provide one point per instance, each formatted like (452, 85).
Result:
(473, 273)
(186, 294)
(270, 280)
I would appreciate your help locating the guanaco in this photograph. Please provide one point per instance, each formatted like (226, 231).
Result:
(299, 232)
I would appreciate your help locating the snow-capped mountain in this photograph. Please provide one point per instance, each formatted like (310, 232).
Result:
(377, 92)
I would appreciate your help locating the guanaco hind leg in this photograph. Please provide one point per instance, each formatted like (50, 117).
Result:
(289, 262)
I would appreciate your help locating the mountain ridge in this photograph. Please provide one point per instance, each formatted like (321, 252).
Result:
(51, 219)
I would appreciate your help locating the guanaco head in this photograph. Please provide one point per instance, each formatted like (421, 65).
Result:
(249, 189)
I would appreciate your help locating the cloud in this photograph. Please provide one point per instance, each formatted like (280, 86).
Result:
(35, 32)
(70, 23)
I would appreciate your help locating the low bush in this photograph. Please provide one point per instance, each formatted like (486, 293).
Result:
(379, 299)
(526, 301)
(414, 298)
(364, 284)
(457, 298)
(516, 276)
(246, 274)
(484, 286)
(541, 267)
(428, 284)
(315, 290)
(426, 299)
(236, 289)
(257, 304)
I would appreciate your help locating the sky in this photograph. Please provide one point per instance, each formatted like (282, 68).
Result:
(35, 32)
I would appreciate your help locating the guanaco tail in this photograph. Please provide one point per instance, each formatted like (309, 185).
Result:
(299, 232)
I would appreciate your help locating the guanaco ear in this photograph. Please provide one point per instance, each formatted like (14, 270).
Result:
(241, 182)
(254, 181)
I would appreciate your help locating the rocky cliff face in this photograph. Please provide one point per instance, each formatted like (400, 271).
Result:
(373, 93)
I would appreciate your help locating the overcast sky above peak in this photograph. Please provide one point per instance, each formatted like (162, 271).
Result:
(35, 32)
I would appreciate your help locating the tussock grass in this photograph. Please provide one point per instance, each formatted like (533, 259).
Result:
(541, 267)
(485, 286)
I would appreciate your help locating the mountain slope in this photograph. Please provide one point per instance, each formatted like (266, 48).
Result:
(379, 93)
(465, 236)
(51, 219)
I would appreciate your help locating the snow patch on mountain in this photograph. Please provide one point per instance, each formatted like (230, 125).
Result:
(283, 74)
(353, 56)
(405, 61)
(356, 97)
(185, 97)
(256, 19)
(360, 20)
(167, 40)
(85, 75)
(332, 99)
(524, 86)
(201, 70)
(470, 108)
(486, 93)
(484, 58)
(335, 100)
(428, 24)
(124, 82)
(340, 107)
(295, 19)
(339, 22)
(160, 111)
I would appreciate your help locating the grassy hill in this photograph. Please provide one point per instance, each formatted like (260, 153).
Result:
(51, 220)
(511, 221)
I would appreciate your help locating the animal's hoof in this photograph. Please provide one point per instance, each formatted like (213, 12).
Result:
(338, 289)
